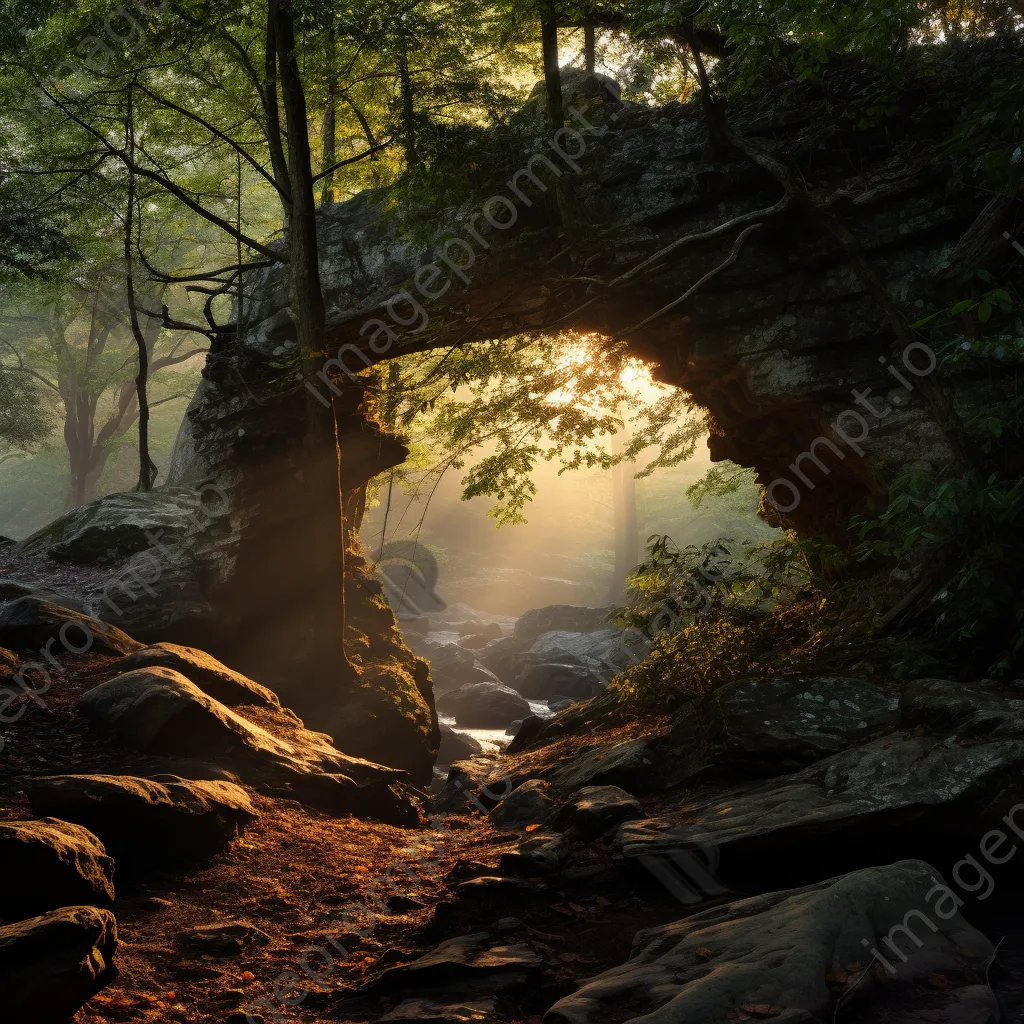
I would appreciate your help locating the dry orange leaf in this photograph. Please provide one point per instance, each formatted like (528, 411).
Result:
(939, 981)
(965, 952)
(837, 977)
(247, 976)
(703, 952)
(855, 967)
(532, 828)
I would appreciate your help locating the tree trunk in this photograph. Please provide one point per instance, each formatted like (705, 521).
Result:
(408, 107)
(322, 465)
(627, 539)
(330, 126)
(565, 195)
(589, 46)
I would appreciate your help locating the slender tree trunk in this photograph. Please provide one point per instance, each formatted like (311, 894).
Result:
(590, 46)
(323, 458)
(146, 466)
(330, 125)
(412, 157)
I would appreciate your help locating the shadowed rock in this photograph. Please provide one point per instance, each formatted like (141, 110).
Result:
(159, 711)
(596, 809)
(526, 805)
(32, 623)
(213, 678)
(777, 951)
(50, 863)
(483, 706)
(163, 818)
(51, 965)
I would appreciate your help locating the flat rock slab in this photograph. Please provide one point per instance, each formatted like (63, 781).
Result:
(162, 818)
(30, 623)
(213, 678)
(48, 863)
(777, 950)
(159, 711)
(426, 1011)
(50, 966)
(543, 853)
(773, 726)
(886, 790)
(629, 764)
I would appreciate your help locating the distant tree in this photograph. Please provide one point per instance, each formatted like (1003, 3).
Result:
(25, 418)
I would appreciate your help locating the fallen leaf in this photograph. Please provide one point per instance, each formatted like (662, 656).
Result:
(703, 952)
(960, 951)
(533, 828)
(837, 977)
(761, 1009)
(855, 967)
(577, 908)
(247, 976)
(939, 981)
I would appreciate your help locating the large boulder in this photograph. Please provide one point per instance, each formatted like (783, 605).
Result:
(162, 818)
(159, 711)
(483, 706)
(771, 726)
(885, 795)
(605, 652)
(31, 623)
(451, 666)
(542, 682)
(50, 863)
(219, 681)
(777, 954)
(50, 966)
(631, 764)
(570, 618)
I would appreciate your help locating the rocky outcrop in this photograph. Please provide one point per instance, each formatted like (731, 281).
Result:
(31, 623)
(139, 821)
(213, 678)
(780, 955)
(49, 864)
(159, 711)
(50, 966)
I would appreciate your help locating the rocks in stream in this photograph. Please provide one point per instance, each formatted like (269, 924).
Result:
(451, 667)
(33, 623)
(48, 863)
(569, 618)
(455, 746)
(483, 706)
(165, 818)
(159, 711)
(547, 680)
(780, 952)
(219, 681)
(50, 966)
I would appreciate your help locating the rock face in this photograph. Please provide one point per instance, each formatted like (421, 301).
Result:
(51, 965)
(777, 725)
(163, 818)
(596, 809)
(455, 747)
(452, 666)
(777, 951)
(483, 705)
(32, 623)
(159, 711)
(213, 678)
(49, 864)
